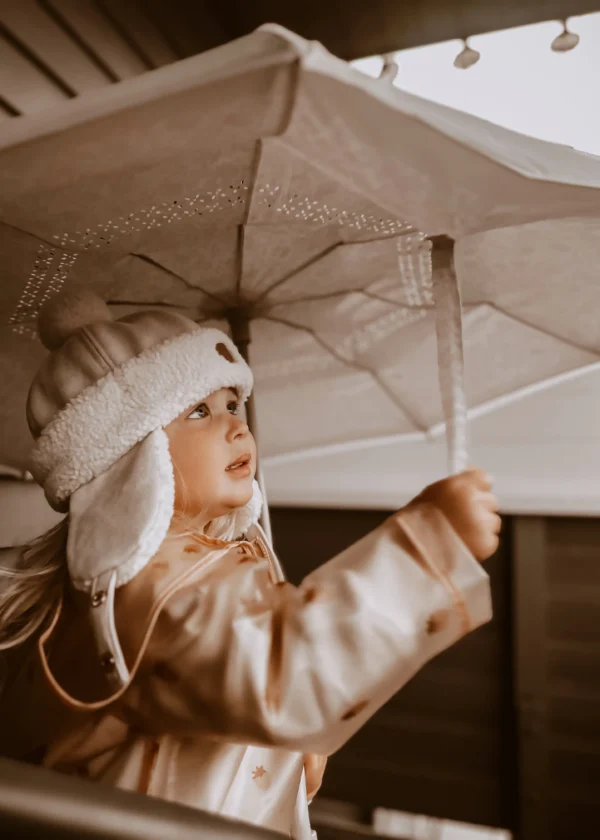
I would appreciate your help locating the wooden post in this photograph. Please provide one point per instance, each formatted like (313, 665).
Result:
(530, 599)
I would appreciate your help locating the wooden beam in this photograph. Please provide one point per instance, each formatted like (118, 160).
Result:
(355, 28)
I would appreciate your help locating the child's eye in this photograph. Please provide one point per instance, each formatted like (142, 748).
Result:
(233, 407)
(199, 413)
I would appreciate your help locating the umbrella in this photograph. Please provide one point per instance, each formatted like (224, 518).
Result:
(270, 186)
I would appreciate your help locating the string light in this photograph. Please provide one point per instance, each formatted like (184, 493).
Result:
(467, 57)
(566, 41)
(390, 68)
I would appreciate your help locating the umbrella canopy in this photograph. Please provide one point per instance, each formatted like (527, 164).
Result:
(267, 181)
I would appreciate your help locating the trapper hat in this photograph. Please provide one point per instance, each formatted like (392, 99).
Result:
(97, 408)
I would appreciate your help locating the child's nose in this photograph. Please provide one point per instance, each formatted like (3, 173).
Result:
(238, 428)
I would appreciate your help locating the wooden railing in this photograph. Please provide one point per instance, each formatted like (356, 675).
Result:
(41, 804)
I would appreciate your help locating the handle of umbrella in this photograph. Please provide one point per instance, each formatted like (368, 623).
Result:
(448, 322)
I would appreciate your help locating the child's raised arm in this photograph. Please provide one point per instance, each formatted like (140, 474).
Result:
(242, 658)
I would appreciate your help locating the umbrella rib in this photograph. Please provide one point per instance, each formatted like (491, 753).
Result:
(524, 322)
(343, 293)
(407, 306)
(42, 240)
(174, 274)
(354, 365)
(297, 271)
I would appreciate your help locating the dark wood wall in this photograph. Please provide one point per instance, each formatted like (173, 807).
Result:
(557, 656)
(504, 728)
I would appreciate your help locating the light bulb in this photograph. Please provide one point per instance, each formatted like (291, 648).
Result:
(467, 58)
(390, 68)
(566, 41)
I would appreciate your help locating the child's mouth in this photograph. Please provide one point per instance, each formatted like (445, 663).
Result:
(241, 467)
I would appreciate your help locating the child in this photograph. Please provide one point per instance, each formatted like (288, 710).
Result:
(160, 649)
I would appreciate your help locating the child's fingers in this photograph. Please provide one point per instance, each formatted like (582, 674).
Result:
(488, 501)
(496, 523)
(481, 479)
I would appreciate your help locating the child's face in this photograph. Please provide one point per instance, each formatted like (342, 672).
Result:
(206, 441)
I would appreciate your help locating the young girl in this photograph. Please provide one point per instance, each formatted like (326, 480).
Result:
(155, 644)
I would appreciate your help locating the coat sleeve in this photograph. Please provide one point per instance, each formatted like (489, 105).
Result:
(239, 657)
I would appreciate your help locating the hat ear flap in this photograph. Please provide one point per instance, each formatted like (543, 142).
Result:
(118, 520)
(117, 523)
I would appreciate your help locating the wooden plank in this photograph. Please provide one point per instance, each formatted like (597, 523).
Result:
(530, 675)
(574, 716)
(22, 84)
(195, 28)
(42, 35)
(85, 18)
(132, 20)
(354, 28)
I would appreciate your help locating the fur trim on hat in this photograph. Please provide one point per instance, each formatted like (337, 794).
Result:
(146, 393)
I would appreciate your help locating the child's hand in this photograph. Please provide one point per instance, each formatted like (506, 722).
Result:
(471, 508)
(314, 768)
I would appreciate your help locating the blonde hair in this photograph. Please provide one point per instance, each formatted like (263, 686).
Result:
(31, 592)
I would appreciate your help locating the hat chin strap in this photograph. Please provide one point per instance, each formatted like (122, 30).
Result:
(102, 619)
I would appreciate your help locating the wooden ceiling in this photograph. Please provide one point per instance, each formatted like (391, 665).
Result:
(57, 49)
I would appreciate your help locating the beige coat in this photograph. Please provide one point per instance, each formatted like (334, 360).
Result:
(243, 673)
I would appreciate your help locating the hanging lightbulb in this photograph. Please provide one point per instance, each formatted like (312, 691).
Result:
(390, 68)
(467, 58)
(566, 40)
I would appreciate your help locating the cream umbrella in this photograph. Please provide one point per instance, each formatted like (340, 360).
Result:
(271, 187)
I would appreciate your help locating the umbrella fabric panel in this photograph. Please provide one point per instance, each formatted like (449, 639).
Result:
(414, 172)
(350, 406)
(545, 274)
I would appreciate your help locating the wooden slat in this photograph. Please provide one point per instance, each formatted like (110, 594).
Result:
(574, 621)
(196, 26)
(573, 820)
(23, 85)
(574, 716)
(85, 18)
(530, 605)
(574, 669)
(153, 49)
(29, 22)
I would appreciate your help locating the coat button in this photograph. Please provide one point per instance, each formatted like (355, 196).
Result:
(107, 661)
(437, 622)
(98, 598)
(355, 710)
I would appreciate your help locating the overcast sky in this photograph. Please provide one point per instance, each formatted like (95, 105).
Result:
(518, 82)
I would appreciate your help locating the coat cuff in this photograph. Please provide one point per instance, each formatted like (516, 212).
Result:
(448, 558)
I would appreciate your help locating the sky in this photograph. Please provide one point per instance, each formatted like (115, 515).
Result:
(519, 82)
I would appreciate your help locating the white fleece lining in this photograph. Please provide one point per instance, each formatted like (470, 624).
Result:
(146, 393)
(119, 520)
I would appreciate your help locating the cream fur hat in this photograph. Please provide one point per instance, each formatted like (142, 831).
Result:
(97, 408)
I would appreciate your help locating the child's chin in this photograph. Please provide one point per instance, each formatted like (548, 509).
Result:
(241, 496)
